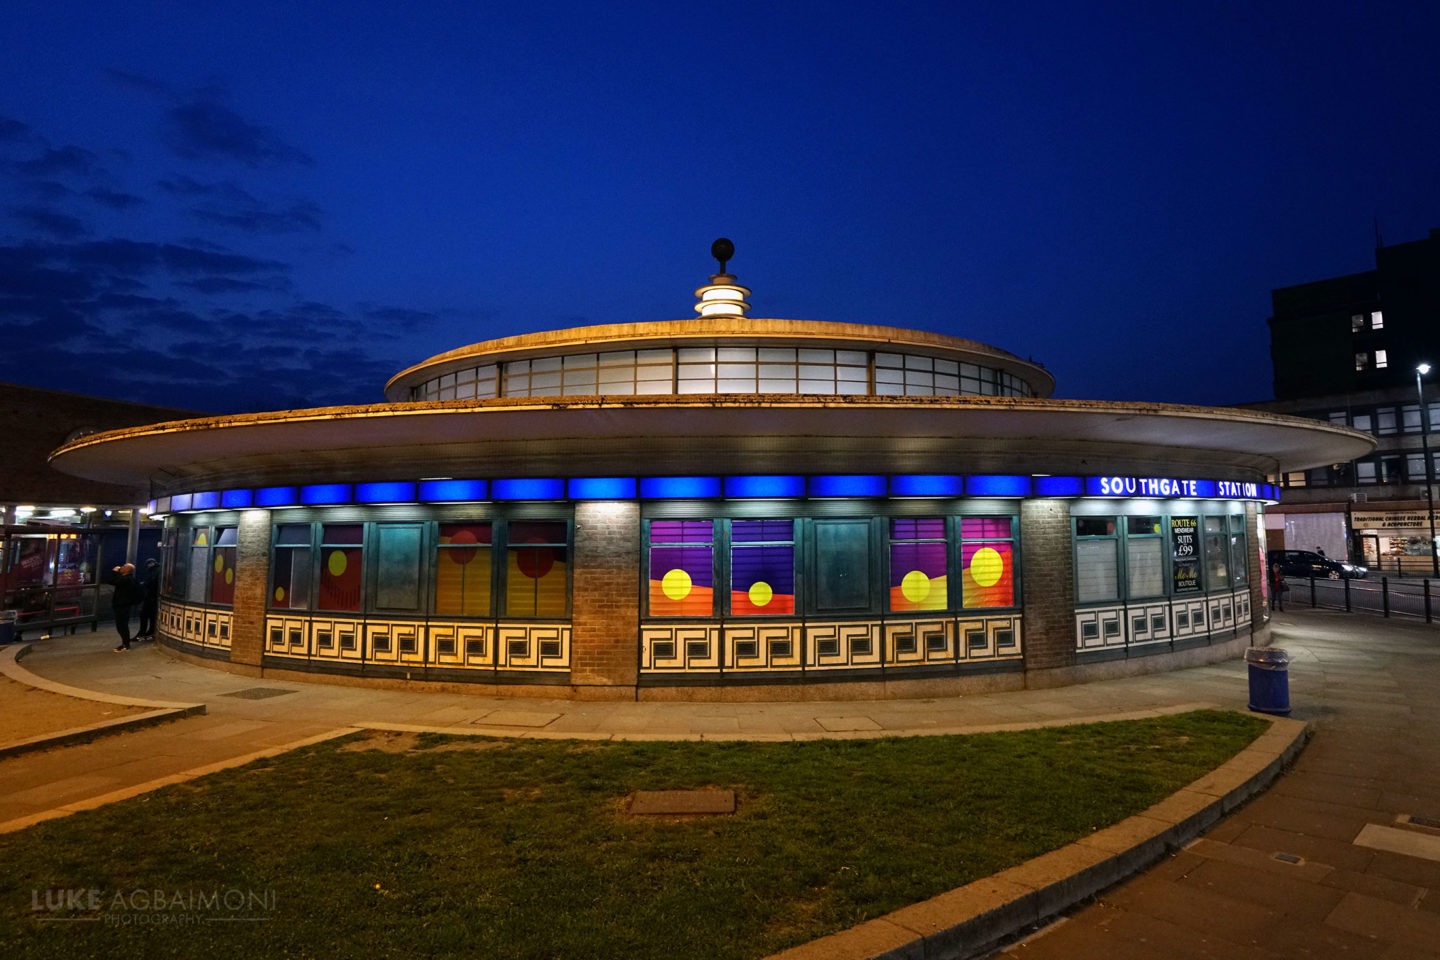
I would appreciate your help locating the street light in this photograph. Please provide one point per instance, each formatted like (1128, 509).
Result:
(1420, 371)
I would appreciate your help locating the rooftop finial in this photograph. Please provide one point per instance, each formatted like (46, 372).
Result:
(722, 296)
(722, 250)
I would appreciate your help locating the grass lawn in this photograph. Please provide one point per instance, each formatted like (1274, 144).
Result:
(374, 846)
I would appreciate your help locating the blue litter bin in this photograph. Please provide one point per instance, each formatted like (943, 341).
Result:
(1269, 680)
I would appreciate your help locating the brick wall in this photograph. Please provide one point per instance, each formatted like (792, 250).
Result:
(605, 620)
(252, 581)
(1047, 570)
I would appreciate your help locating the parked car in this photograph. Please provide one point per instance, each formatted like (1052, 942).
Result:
(1308, 563)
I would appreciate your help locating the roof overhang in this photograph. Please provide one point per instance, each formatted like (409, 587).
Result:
(677, 435)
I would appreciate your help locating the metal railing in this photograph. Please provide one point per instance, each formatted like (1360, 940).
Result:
(1402, 599)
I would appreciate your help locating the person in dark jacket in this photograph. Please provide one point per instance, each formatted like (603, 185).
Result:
(150, 581)
(128, 594)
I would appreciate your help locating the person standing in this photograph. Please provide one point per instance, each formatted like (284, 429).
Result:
(1277, 587)
(127, 594)
(150, 582)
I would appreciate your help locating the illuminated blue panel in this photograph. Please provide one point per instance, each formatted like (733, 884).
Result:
(997, 485)
(777, 485)
(854, 485)
(276, 497)
(602, 488)
(679, 488)
(1058, 486)
(181, 501)
(1204, 488)
(926, 485)
(243, 497)
(208, 500)
(393, 491)
(453, 491)
(527, 488)
(320, 494)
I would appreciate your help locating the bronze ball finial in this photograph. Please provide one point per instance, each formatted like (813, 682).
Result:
(722, 250)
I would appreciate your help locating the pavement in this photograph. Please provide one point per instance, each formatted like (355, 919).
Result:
(1320, 840)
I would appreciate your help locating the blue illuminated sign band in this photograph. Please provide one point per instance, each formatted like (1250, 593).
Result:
(739, 487)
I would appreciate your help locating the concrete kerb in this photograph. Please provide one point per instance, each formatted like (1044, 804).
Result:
(160, 710)
(978, 917)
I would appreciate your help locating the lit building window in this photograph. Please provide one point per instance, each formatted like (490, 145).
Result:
(1362, 362)
(1357, 322)
(1377, 321)
(1381, 361)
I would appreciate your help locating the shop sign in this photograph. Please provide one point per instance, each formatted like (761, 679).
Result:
(1395, 520)
(1185, 549)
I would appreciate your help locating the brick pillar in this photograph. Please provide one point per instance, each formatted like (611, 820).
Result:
(605, 614)
(1255, 563)
(252, 584)
(1047, 572)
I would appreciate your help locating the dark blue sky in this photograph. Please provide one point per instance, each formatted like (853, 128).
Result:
(227, 206)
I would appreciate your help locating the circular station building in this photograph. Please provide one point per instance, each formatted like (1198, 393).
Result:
(719, 507)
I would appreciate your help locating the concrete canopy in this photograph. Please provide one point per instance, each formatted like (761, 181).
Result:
(678, 435)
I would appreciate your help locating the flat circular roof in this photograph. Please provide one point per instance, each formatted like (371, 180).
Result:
(677, 435)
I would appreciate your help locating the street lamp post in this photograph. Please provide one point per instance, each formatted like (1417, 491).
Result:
(1420, 371)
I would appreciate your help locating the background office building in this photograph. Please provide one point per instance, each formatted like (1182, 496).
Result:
(716, 507)
(1345, 351)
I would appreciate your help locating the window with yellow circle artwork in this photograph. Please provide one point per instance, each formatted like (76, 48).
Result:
(762, 567)
(987, 565)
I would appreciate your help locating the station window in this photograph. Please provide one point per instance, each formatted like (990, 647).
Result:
(918, 572)
(987, 562)
(464, 566)
(537, 563)
(1382, 359)
(682, 568)
(1144, 557)
(1097, 560)
(762, 567)
(222, 566)
(341, 566)
(291, 568)
(1217, 553)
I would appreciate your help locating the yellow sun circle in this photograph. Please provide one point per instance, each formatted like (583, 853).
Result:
(987, 566)
(219, 562)
(760, 593)
(915, 586)
(676, 584)
(337, 563)
(230, 576)
(279, 594)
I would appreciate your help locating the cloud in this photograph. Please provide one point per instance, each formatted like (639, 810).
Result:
(226, 204)
(114, 199)
(205, 129)
(56, 161)
(47, 221)
(13, 130)
(215, 285)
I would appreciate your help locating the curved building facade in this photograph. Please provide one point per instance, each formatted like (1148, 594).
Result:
(716, 507)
